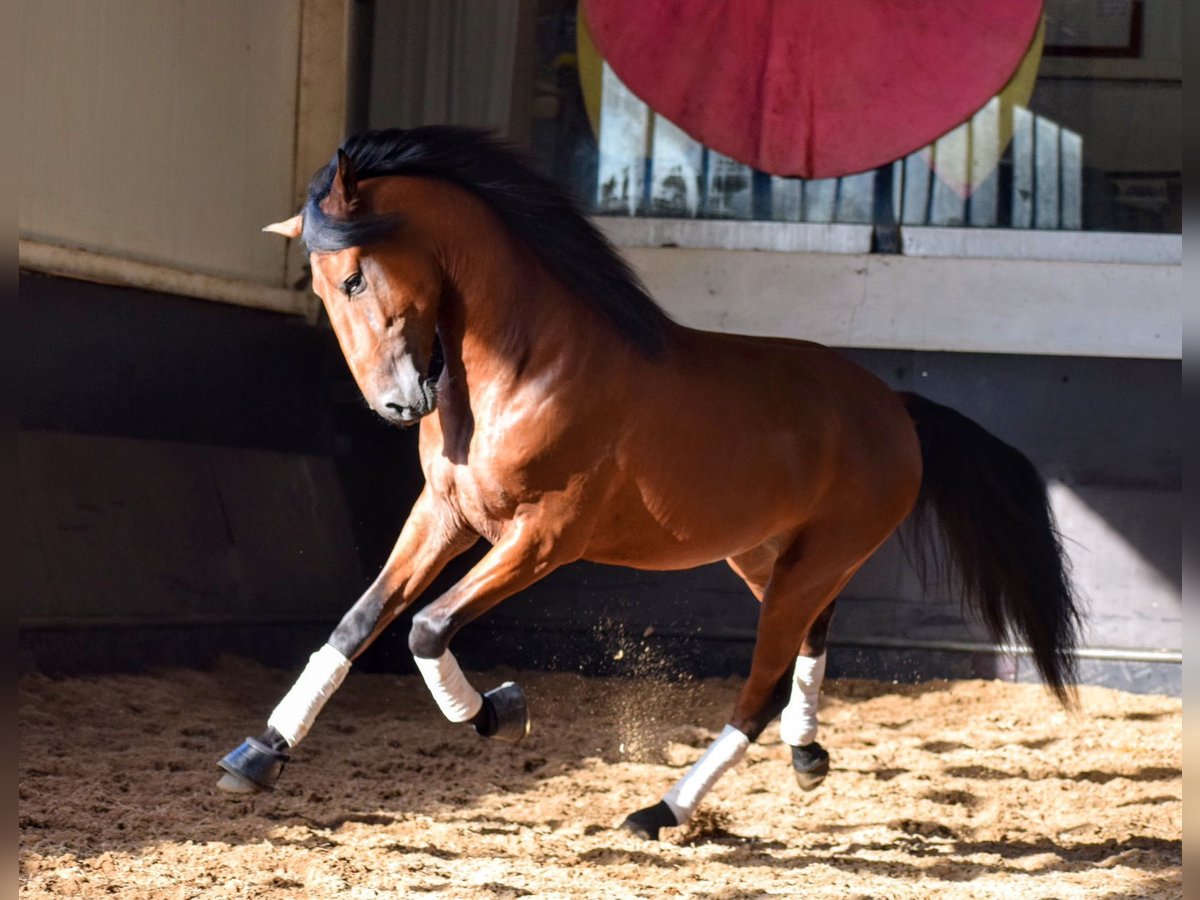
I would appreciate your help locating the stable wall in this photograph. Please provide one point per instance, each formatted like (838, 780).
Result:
(198, 479)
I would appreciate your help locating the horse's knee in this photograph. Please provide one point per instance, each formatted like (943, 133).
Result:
(430, 634)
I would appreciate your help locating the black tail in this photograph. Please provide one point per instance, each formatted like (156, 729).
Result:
(1004, 548)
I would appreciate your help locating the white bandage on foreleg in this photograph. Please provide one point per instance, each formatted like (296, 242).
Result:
(321, 677)
(455, 697)
(685, 795)
(798, 722)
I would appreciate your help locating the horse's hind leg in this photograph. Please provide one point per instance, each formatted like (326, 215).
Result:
(798, 718)
(796, 697)
(794, 598)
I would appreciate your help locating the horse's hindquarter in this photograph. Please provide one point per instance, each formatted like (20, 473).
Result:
(736, 441)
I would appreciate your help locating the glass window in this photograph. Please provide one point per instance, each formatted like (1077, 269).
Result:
(1089, 137)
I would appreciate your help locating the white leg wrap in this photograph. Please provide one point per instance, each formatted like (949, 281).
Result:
(685, 795)
(321, 677)
(455, 697)
(798, 722)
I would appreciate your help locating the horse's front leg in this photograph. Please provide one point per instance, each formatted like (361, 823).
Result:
(523, 555)
(431, 537)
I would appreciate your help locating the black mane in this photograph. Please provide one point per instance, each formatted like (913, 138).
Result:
(536, 209)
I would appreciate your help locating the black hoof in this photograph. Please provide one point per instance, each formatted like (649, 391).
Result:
(505, 714)
(811, 763)
(646, 823)
(251, 768)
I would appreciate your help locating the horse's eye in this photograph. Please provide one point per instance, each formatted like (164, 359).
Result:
(353, 284)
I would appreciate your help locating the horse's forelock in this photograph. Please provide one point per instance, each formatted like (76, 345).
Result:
(323, 233)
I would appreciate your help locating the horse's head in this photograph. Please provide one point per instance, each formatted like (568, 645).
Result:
(381, 296)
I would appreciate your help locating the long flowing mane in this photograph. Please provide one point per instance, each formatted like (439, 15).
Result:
(536, 209)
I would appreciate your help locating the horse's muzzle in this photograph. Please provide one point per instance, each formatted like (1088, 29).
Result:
(409, 411)
(406, 407)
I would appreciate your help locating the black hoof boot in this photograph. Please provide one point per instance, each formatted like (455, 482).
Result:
(811, 763)
(646, 823)
(251, 768)
(504, 715)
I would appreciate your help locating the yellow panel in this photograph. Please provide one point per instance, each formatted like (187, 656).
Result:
(964, 157)
(591, 68)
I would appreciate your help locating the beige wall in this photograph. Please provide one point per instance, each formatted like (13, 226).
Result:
(166, 131)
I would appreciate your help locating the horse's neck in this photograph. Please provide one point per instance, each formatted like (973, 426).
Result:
(513, 328)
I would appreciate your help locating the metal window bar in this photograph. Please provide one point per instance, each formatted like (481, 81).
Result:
(649, 166)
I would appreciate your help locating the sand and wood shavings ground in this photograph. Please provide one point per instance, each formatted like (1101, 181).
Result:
(963, 789)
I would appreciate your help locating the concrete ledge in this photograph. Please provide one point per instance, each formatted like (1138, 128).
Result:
(713, 234)
(102, 268)
(1062, 246)
(1021, 306)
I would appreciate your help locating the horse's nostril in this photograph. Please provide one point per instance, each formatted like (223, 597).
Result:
(405, 412)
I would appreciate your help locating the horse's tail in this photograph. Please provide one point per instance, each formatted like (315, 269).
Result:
(1003, 546)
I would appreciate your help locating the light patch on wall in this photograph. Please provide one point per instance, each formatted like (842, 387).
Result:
(1130, 599)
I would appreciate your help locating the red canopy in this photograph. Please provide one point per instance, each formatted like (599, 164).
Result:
(814, 88)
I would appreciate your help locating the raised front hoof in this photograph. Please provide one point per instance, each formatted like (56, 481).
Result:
(505, 714)
(811, 763)
(646, 823)
(251, 768)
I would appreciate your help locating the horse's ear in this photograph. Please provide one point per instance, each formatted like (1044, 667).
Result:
(343, 193)
(289, 228)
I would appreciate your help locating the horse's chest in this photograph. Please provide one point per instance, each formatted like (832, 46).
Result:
(484, 500)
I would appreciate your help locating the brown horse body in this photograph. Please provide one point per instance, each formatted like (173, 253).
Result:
(555, 437)
(558, 441)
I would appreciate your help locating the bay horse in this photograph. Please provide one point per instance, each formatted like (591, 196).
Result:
(564, 416)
